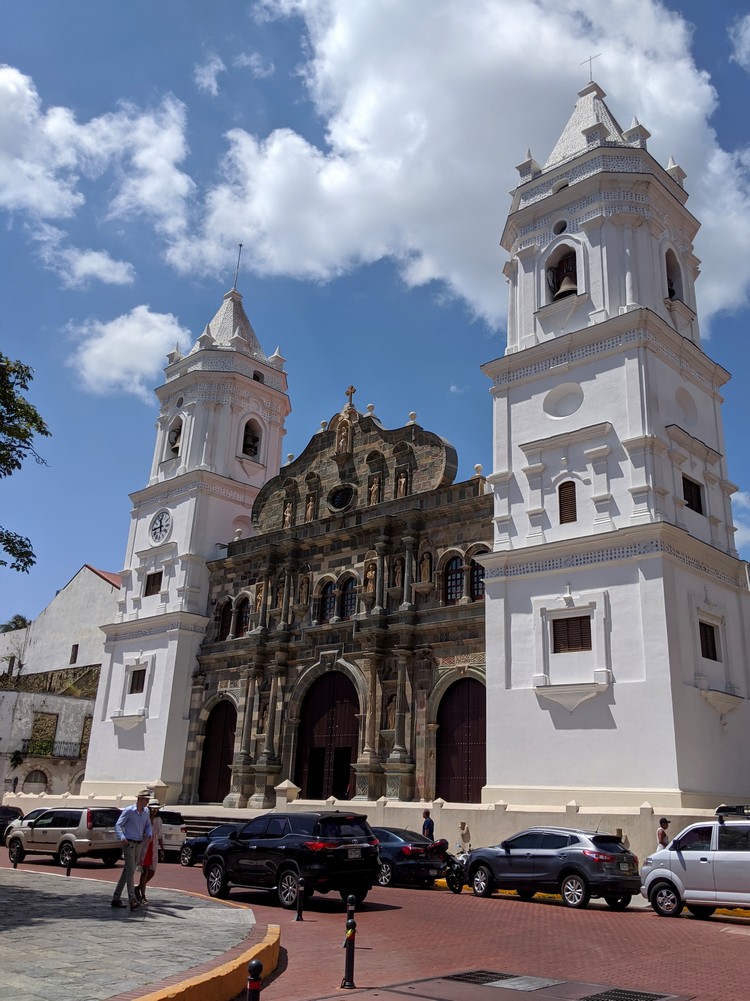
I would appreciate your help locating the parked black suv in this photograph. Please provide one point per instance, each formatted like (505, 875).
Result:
(576, 864)
(332, 851)
(7, 815)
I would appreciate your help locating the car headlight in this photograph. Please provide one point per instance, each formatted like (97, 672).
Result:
(647, 862)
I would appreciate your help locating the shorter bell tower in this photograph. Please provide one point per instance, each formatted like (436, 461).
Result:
(219, 438)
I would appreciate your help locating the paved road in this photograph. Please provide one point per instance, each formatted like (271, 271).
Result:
(409, 934)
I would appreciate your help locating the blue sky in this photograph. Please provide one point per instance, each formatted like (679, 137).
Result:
(363, 154)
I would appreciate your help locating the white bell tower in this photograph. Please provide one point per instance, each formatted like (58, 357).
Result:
(617, 609)
(219, 439)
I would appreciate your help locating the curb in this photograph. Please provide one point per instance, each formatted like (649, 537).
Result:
(224, 982)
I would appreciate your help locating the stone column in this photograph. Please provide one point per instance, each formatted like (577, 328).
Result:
(368, 768)
(263, 616)
(466, 596)
(242, 766)
(284, 621)
(399, 769)
(407, 602)
(379, 608)
(267, 767)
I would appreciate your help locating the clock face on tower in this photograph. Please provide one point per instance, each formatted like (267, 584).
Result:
(160, 526)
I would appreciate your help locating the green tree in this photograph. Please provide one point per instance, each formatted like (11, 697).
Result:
(15, 622)
(20, 421)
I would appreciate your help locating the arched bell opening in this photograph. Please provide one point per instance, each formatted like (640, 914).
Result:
(562, 274)
(674, 276)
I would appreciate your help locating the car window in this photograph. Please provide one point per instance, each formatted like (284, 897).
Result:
(609, 844)
(531, 839)
(171, 818)
(734, 839)
(417, 839)
(277, 827)
(345, 827)
(222, 831)
(104, 818)
(698, 839)
(550, 840)
(45, 820)
(386, 836)
(255, 828)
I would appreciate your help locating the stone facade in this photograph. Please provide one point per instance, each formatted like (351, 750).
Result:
(362, 568)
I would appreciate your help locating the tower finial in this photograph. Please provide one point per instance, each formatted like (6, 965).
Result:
(237, 269)
(350, 393)
(590, 60)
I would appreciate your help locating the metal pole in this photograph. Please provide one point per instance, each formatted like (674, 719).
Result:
(300, 898)
(254, 973)
(351, 933)
(351, 903)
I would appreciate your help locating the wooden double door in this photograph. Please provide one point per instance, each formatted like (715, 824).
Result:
(218, 749)
(461, 751)
(327, 739)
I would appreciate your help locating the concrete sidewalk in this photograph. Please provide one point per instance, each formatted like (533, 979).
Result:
(62, 941)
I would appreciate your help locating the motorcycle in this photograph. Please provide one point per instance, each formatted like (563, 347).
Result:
(454, 866)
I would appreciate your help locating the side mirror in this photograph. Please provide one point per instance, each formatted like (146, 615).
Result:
(505, 846)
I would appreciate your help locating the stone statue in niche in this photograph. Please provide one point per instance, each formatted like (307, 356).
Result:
(280, 592)
(370, 573)
(398, 573)
(390, 713)
(342, 437)
(401, 484)
(310, 507)
(288, 513)
(258, 597)
(375, 490)
(425, 568)
(304, 591)
(263, 718)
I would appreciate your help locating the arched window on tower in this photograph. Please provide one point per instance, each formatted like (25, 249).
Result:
(566, 500)
(251, 440)
(454, 580)
(225, 621)
(174, 439)
(349, 598)
(243, 616)
(327, 602)
(674, 276)
(476, 581)
(562, 275)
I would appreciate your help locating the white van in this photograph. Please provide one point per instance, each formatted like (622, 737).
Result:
(706, 866)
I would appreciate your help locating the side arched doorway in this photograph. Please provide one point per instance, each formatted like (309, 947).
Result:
(218, 749)
(327, 738)
(461, 760)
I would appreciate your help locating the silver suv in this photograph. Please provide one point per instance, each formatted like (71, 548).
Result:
(706, 866)
(69, 835)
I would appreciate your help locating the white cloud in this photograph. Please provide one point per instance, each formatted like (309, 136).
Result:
(741, 514)
(77, 267)
(206, 76)
(739, 35)
(427, 106)
(256, 64)
(127, 354)
(456, 389)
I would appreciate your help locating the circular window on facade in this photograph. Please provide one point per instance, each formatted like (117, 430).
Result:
(341, 497)
(564, 400)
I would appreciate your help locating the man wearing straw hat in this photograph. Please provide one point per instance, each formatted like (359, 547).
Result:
(133, 826)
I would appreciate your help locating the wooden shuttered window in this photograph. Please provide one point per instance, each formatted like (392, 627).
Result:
(566, 498)
(709, 648)
(571, 634)
(692, 495)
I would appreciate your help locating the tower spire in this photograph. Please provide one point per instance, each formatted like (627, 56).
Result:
(237, 269)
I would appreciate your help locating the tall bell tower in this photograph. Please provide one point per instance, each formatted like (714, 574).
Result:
(218, 440)
(617, 609)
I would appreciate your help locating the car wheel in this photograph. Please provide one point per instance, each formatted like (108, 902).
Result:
(665, 900)
(575, 890)
(618, 902)
(287, 888)
(186, 855)
(111, 859)
(358, 892)
(526, 894)
(385, 874)
(216, 881)
(481, 881)
(454, 881)
(15, 851)
(66, 855)
(699, 911)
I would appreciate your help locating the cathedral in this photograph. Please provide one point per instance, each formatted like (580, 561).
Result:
(355, 624)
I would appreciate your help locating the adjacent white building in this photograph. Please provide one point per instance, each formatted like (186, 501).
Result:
(617, 608)
(219, 438)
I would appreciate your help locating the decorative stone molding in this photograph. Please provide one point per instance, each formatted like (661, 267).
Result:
(570, 696)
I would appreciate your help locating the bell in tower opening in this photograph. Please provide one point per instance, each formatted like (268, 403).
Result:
(561, 278)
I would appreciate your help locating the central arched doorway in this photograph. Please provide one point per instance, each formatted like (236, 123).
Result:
(327, 738)
(218, 749)
(461, 753)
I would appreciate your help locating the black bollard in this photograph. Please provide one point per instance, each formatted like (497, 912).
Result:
(300, 898)
(68, 867)
(351, 934)
(254, 973)
(15, 864)
(351, 903)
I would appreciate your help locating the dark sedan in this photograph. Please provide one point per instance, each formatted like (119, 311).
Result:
(193, 849)
(408, 857)
(576, 864)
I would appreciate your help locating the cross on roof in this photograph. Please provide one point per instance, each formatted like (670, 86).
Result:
(350, 393)
(590, 60)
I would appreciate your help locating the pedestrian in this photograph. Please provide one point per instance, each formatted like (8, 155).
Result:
(662, 835)
(428, 825)
(133, 825)
(152, 851)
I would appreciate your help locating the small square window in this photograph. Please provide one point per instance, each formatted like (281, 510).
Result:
(74, 653)
(692, 495)
(137, 681)
(153, 584)
(571, 634)
(709, 644)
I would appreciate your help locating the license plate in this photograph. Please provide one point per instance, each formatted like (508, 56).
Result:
(433, 872)
(625, 866)
(355, 853)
